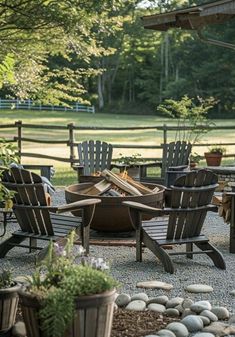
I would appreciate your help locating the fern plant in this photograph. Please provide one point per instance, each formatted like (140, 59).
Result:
(61, 278)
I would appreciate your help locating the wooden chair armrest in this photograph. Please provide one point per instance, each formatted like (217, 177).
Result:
(153, 164)
(77, 205)
(178, 168)
(143, 208)
(78, 167)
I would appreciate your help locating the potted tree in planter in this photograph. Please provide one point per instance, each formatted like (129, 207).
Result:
(131, 163)
(214, 156)
(68, 299)
(194, 160)
(8, 300)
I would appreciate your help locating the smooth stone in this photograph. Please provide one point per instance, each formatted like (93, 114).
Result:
(193, 323)
(152, 336)
(200, 306)
(157, 307)
(136, 305)
(187, 312)
(179, 308)
(166, 333)
(206, 321)
(19, 330)
(212, 317)
(232, 293)
(173, 302)
(179, 329)
(204, 334)
(159, 299)
(220, 329)
(232, 319)
(154, 285)
(140, 296)
(172, 312)
(199, 288)
(187, 303)
(220, 312)
(122, 300)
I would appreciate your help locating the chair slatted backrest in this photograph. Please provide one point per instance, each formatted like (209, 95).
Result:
(94, 156)
(175, 154)
(191, 196)
(29, 201)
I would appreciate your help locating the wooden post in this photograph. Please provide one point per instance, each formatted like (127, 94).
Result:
(18, 124)
(71, 141)
(164, 134)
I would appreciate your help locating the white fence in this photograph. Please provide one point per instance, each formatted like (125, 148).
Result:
(31, 105)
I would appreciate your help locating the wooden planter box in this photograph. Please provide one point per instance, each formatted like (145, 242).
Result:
(8, 307)
(93, 316)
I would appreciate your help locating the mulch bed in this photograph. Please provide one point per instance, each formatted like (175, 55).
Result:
(138, 323)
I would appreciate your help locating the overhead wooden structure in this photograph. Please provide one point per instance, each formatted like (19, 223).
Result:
(194, 18)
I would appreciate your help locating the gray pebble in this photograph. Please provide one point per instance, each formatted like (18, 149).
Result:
(136, 305)
(187, 303)
(179, 308)
(212, 317)
(166, 333)
(200, 306)
(159, 299)
(173, 302)
(157, 307)
(193, 323)
(220, 312)
(179, 329)
(122, 300)
(199, 288)
(206, 321)
(140, 296)
(187, 312)
(204, 334)
(172, 312)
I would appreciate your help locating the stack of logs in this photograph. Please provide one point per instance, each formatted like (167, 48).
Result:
(118, 185)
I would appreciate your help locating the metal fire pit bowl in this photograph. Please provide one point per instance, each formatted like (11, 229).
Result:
(110, 215)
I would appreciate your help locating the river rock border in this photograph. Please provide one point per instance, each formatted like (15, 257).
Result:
(198, 319)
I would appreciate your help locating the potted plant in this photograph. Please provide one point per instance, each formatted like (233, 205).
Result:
(8, 300)
(194, 159)
(131, 163)
(68, 297)
(214, 155)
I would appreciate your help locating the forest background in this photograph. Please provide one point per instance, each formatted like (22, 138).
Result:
(97, 52)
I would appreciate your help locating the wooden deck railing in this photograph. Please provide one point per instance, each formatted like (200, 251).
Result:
(72, 130)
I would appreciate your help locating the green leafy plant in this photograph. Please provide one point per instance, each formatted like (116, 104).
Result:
(217, 149)
(60, 278)
(195, 157)
(8, 153)
(191, 117)
(6, 279)
(134, 159)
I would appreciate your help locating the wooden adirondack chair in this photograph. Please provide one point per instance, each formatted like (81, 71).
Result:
(38, 221)
(175, 159)
(182, 222)
(93, 156)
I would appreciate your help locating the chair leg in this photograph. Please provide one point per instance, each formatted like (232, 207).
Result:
(85, 231)
(139, 245)
(32, 244)
(189, 248)
(215, 256)
(163, 256)
(9, 244)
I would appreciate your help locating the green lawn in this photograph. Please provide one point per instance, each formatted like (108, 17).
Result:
(64, 174)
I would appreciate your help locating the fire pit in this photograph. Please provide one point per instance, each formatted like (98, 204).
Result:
(110, 215)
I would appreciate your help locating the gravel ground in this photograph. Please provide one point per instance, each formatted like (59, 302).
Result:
(125, 269)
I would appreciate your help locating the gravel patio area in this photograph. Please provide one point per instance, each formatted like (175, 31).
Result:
(128, 272)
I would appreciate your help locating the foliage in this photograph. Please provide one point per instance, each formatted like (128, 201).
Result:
(6, 279)
(195, 157)
(129, 160)
(8, 153)
(188, 114)
(60, 278)
(217, 149)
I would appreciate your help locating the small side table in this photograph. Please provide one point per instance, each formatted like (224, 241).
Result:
(7, 214)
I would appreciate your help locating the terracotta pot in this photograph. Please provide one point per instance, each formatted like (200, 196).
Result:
(93, 316)
(213, 159)
(8, 307)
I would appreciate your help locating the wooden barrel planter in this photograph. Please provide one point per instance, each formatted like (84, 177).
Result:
(93, 315)
(8, 307)
(111, 215)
